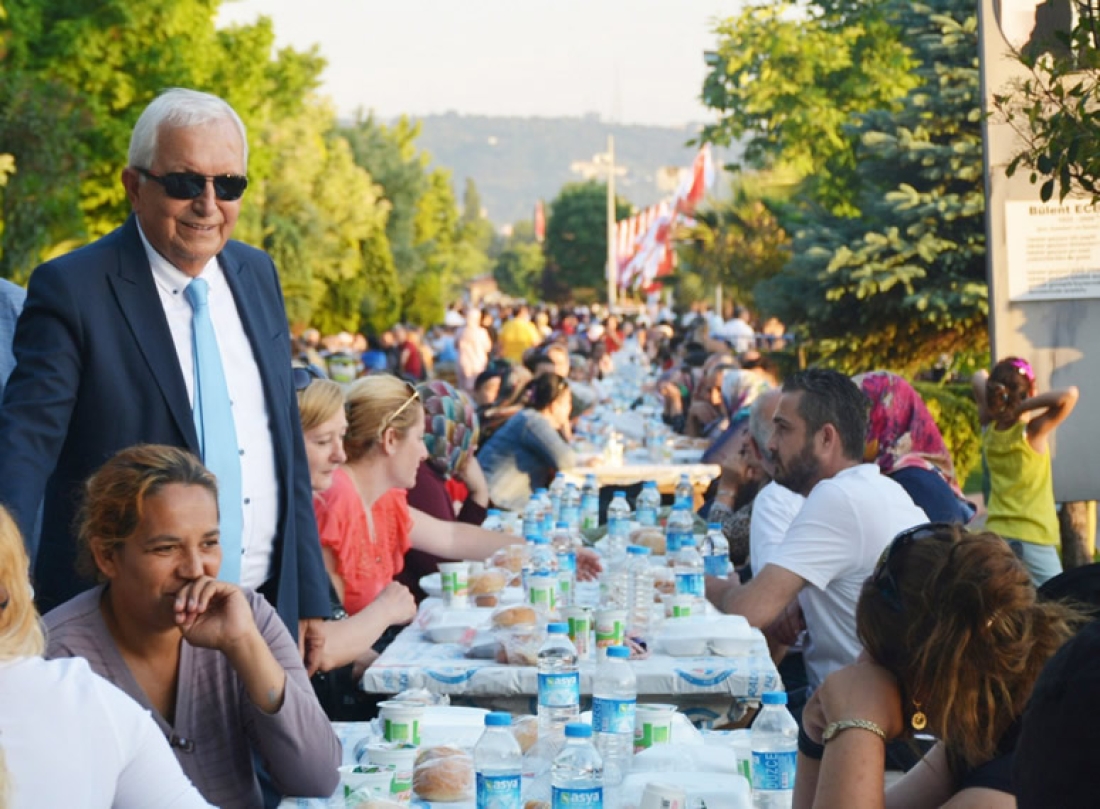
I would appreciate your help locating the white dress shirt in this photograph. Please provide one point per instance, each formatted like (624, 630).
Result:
(259, 479)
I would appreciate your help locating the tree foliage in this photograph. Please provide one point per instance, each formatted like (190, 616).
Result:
(576, 242)
(519, 266)
(789, 77)
(1053, 110)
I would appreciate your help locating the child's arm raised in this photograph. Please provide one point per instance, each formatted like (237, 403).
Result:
(978, 384)
(1056, 405)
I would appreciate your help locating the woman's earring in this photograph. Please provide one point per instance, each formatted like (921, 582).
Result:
(919, 721)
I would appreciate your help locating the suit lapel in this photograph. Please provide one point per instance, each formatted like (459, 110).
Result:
(137, 297)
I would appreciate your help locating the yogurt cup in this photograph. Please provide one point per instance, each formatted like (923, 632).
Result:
(741, 742)
(399, 760)
(580, 629)
(652, 725)
(682, 606)
(400, 721)
(610, 628)
(456, 583)
(365, 781)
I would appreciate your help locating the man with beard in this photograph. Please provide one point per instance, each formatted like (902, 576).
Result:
(851, 513)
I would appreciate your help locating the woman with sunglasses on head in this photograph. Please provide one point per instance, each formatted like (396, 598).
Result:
(348, 641)
(1016, 425)
(525, 453)
(211, 661)
(954, 640)
(113, 753)
(364, 519)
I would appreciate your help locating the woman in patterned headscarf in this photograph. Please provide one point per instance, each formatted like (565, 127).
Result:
(449, 484)
(903, 439)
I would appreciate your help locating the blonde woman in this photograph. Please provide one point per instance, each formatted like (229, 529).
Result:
(68, 737)
(364, 519)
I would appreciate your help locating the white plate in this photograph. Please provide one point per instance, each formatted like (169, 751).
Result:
(454, 626)
(449, 724)
(432, 584)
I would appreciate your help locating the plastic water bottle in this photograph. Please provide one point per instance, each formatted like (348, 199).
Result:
(571, 507)
(590, 504)
(648, 504)
(614, 582)
(498, 762)
(547, 510)
(614, 696)
(492, 520)
(559, 681)
(680, 525)
(532, 517)
(565, 549)
(557, 491)
(774, 739)
(688, 568)
(685, 493)
(576, 776)
(542, 580)
(618, 524)
(639, 599)
(716, 551)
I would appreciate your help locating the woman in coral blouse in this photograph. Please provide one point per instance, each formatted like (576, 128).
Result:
(364, 519)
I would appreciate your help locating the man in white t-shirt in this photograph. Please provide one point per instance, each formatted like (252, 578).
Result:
(851, 513)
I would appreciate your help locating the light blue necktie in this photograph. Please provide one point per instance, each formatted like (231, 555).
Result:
(214, 424)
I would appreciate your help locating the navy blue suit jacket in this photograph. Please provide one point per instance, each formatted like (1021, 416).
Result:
(96, 371)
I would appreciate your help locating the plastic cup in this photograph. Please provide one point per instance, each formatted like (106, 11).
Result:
(399, 759)
(456, 583)
(580, 630)
(365, 781)
(662, 796)
(542, 592)
(741, 742)
(610, 630)
(682, 606)
(652, 725)
(400, 721)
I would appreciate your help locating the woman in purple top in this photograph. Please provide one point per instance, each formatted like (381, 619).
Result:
(212, 661)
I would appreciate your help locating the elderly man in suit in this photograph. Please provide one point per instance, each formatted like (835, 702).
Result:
(165, 331)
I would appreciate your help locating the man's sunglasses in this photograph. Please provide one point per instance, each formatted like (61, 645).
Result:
(884, 577)
(303, 376)
(190, 185)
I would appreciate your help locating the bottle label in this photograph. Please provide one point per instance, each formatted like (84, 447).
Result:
(674, 540)
(571, 515)
(773, 770)
(613, 716)
(646, 515)
(689, 584)
(567, 562)
(498, 791)
(532, 527)
(618, 526)
(560, 690)
(684, 500)
(562, 798)
(715, 565)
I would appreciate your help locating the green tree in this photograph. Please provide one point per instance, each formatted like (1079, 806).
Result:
(576, 242)
(519, 266)
(906, 281)
(788, 78)
(1053, 111)
(381, 307)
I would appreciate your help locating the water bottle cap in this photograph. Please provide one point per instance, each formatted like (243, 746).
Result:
(638, 550)
(578, 730)
(774, 698)
(687, 540)
(493, 512)
(591, 476)
(540, 490)
(498, 719)
(714, 526)
(684, 477)
(680, 507)
(559, 476)
(570, 485)
(562, 524)
(618, 651)
(620, 496)
(650, 484)
(539, 539)
(563, 629)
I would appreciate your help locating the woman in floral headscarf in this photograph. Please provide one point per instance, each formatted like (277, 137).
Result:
(449, 476)
(903, 439)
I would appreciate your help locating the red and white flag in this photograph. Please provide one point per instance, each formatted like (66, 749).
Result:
(540, 222)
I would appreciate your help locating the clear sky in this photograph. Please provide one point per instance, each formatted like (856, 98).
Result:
(630, 61)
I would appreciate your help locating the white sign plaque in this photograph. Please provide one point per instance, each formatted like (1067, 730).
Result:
(1053, 250)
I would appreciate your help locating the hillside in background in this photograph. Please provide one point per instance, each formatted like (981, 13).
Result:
(516, 161)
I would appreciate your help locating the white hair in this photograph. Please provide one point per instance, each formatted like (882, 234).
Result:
(178, 108)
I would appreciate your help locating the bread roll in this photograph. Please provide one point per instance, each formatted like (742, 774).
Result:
(450, 778)
(519, 615)
(649, 537)
(490, 581)
(427, 754)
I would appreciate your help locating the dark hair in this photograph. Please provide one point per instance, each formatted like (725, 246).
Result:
(1008, 385)
(829, 397)
(543, 391)
(964, 634)
(695, 355)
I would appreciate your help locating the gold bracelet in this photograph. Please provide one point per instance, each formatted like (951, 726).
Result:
(847, 724)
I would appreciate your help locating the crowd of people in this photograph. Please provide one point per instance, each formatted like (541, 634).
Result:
(222, 527)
